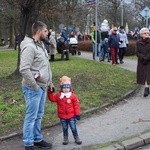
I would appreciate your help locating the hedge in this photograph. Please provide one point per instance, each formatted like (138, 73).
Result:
(87, 46)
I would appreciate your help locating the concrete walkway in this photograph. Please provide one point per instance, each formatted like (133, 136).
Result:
(127, 119)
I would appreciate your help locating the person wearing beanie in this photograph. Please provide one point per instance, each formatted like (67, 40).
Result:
(68, 108)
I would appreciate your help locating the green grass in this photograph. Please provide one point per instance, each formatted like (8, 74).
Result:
(94, 83)
(8, 62)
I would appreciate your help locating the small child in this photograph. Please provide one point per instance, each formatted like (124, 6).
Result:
(68, 108)
(106, 51)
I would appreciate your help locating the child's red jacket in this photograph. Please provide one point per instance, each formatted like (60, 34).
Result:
(67, 107)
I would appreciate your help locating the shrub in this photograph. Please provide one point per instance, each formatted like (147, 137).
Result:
(131, 48)
(85, 45)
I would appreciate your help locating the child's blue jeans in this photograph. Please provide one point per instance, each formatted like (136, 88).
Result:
(69, 122)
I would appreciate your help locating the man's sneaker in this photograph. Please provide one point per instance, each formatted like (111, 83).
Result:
(29, 148)
(43, 144)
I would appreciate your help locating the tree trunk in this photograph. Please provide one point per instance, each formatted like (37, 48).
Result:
(28, 16)
(11, 32)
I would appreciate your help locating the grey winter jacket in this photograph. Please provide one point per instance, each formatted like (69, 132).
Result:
(34, 62)
(123, 39)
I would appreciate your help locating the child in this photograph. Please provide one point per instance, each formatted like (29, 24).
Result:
(68, 108)
(106, 51)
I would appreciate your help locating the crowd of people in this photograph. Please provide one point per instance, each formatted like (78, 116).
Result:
(111, 44)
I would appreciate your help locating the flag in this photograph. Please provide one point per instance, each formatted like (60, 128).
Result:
(90, 2)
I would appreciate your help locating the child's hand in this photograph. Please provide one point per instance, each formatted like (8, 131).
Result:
(51, 89)
(78, 117)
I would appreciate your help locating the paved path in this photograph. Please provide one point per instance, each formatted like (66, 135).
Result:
(126, 119)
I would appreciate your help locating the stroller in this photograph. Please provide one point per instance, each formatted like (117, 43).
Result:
(62, 49)
(73, 46)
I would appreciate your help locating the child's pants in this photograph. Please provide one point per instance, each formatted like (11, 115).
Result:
(69, 122)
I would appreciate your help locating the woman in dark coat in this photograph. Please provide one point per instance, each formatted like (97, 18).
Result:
(143, 54)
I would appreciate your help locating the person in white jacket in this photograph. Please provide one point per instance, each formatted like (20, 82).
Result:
(123, 44)
(73, 44)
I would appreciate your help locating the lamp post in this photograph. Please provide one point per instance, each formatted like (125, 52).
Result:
(121, 12)
(96, 8)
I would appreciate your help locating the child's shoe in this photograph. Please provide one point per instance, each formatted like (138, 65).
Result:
(77, 140)
(65, 142)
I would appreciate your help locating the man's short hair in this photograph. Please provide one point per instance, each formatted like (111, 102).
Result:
(38, 25)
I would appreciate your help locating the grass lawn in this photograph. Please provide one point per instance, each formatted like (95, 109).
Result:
(95, 84)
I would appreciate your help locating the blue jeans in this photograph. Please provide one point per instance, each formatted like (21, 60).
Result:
(99, 50)
(35, 104)
(72, 123)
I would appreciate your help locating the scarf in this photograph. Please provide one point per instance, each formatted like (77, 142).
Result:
(67, 95)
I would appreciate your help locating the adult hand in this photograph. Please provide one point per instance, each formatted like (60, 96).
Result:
(51, 88)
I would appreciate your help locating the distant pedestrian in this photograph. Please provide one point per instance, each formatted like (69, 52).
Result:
(104, 29)
(17, 40)
(52, 46)
(106, 50)
(96, 43)
(143, 54)
(113, 41)
(68, 108)
(64, 34)
(8, 42)
(123, 44)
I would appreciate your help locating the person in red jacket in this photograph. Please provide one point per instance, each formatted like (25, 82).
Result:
(68, 108)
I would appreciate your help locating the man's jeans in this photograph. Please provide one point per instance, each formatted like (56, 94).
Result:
(35, 104)
(72, 123)
(98, 52)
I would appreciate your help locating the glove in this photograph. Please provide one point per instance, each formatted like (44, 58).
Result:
(78, 117)
(145, 60)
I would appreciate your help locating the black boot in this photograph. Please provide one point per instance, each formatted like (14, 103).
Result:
(29, 148)
(77, 140)
(146, 91)
(65, 141)
(43, 145)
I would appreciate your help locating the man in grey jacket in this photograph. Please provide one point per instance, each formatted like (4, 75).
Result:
(37, 76)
